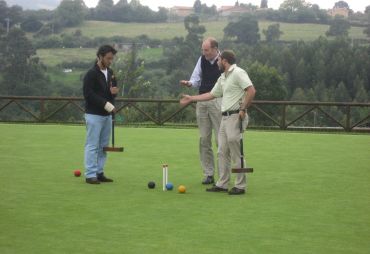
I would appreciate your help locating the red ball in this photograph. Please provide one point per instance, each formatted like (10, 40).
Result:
(77, 172)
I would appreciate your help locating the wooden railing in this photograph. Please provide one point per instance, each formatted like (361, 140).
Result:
(267, 114)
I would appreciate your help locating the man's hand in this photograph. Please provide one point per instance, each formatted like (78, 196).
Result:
(185, 100)
(242, 114)
(185, 83)
(114, 90)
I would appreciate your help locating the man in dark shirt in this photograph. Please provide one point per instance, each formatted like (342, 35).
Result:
(204, 77)
(99, 90)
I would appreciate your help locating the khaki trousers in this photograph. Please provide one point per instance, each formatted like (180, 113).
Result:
(229, 151)
(208, 119)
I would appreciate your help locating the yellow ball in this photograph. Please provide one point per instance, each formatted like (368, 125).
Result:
(182, 189)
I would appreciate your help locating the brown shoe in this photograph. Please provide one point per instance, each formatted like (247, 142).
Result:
(103, 179)
(92, 180)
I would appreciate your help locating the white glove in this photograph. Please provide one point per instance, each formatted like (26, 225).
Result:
(109, 107)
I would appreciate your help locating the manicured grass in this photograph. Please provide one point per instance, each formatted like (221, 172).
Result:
(307, 32)
(310, 193)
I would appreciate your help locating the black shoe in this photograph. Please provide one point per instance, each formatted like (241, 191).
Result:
(236, 191)
(103, 179)
(208, 180)
(92, 180)
(216, 189)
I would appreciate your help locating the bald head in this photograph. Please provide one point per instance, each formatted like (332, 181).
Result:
(210, 48)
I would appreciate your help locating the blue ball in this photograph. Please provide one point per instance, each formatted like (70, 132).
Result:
(169, 186)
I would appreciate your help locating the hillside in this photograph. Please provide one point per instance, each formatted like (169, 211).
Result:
(306, 32)
(35, 4)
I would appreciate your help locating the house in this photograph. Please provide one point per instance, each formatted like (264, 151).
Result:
(226, 11)
(181, 11)
(338, 11)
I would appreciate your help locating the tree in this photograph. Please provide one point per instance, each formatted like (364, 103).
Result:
(127, 12)
(121, 3)
(104, 10)
(321, 15)
(14, 14)
(245, 30)
(130, 75)
(300, 11)
(181, 54)
(293, 5)
(209, 10)
(298, 95)
(272, 33)
(197, 6)
(341, 93)
(301, 74)
(31, 24)
(264, 4)
(367, 29)
(21, 72)
(320, 92)
(341, 4)
(195, 31)
(367, 9)
(268, 81)
(360, 91)
(105, 4)
(339, 27)
(42, 15)
(134, 3)
(3, 9)
(71, 13)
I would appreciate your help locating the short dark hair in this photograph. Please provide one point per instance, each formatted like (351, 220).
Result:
(105, 49)
(229, 56)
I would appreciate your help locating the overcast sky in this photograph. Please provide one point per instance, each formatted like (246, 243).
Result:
(356, 5)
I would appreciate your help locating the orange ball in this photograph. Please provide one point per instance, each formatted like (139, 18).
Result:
(182, 189)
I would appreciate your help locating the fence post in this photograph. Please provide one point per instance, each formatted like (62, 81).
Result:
(159, 113)
(42, 110)
(283, 118)
(348, 118)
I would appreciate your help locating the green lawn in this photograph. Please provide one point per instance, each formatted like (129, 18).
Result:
(307, 32)
(310, 193)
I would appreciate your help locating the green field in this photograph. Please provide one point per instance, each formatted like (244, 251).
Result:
(53, 57)
(307, 32)
(310, 193)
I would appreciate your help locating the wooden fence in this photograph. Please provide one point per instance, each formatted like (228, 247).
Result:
(281, 115)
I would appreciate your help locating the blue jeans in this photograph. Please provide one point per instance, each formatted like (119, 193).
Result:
(98, 133)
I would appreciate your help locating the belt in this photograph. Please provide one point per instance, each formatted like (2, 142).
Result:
(228, 113)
